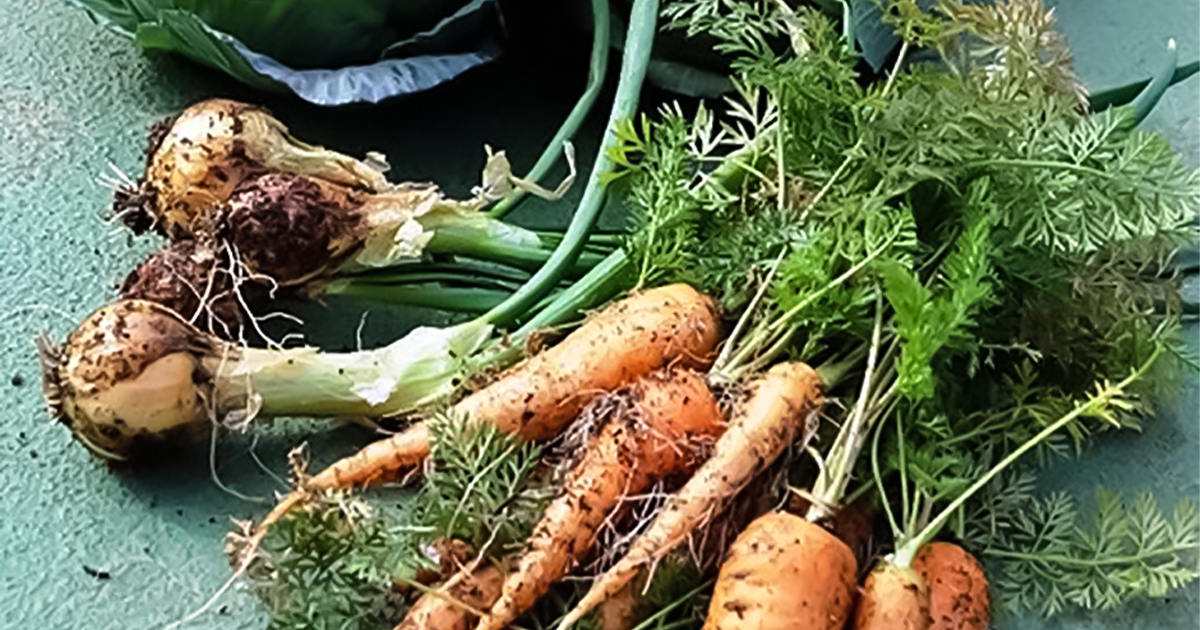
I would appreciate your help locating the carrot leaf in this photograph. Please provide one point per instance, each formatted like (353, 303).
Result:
(1052, 559)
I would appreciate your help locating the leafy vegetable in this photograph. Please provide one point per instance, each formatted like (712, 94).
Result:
(480, 487)
(371, 49)
(1050, 561)
(329, 566)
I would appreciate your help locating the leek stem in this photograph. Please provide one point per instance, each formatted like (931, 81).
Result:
(417, 369)
(477, 244)
(433, 295)
(596, 72)
(639, 41)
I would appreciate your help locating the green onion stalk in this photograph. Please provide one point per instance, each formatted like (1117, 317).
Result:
(136, 375)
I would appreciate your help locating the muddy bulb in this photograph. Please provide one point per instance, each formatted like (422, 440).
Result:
(129, 377)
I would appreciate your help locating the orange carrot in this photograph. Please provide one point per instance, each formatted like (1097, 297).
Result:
(958, 588)
(630, 338)
(633, 450)
(892, 598)
(619, 612)
(539, 397)
(452, 610)
(782, 403)
(536, 399)
(783, 572)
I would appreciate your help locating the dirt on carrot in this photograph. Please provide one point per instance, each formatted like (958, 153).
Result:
(783, 572)
(673, 324)
(538, 398)
(453, 608)
(781, 406)
(958, 588)
(892, 598)
(655, 435)
(854, 524)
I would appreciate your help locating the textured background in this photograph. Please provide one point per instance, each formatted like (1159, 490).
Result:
(75, 99)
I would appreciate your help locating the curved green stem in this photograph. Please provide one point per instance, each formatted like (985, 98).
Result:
(1149, 97)
(1088, 562)
(596, 72)
(1123, 95)
(461, 269)
(639, 41)
(831, 483)
(878, 476)
(476, 243)
(382, 282)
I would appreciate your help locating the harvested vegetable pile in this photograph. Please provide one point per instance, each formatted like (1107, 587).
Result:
(842, 314)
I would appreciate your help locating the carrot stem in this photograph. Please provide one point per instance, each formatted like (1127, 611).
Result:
(1106, 395)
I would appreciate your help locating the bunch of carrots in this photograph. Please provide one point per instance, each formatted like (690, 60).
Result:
(843, 302)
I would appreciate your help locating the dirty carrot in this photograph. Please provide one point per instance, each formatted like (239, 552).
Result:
(958, 588)
(783, 572)
(539, 397)
(782, 403)
(893, 598)
(650, 436)
(455, 608)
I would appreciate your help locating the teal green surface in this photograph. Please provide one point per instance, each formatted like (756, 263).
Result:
(76, 100)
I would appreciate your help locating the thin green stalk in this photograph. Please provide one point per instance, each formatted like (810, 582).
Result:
(903, 470)
(830, 485)
(597, 69)
(597, 239)
(428, 295)
(748, 314)
(463, 269)
(638, 44)
(849, 158)
(848, 25)
(666, 610)
(878, 476)
(768, 334)
(1061, 560)
(425, 277)
(1109, 393)
(476, 243)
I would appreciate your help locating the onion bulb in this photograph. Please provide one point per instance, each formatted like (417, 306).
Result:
(135, 376)
(210, 149)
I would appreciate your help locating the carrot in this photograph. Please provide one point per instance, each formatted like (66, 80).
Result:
(619, 612)
(536, 399)
(630, 338)
(452, 610)
(958, 589)
(539, 397)
(783, 572)
(892, 598)
(781, 404)
(632, 451)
